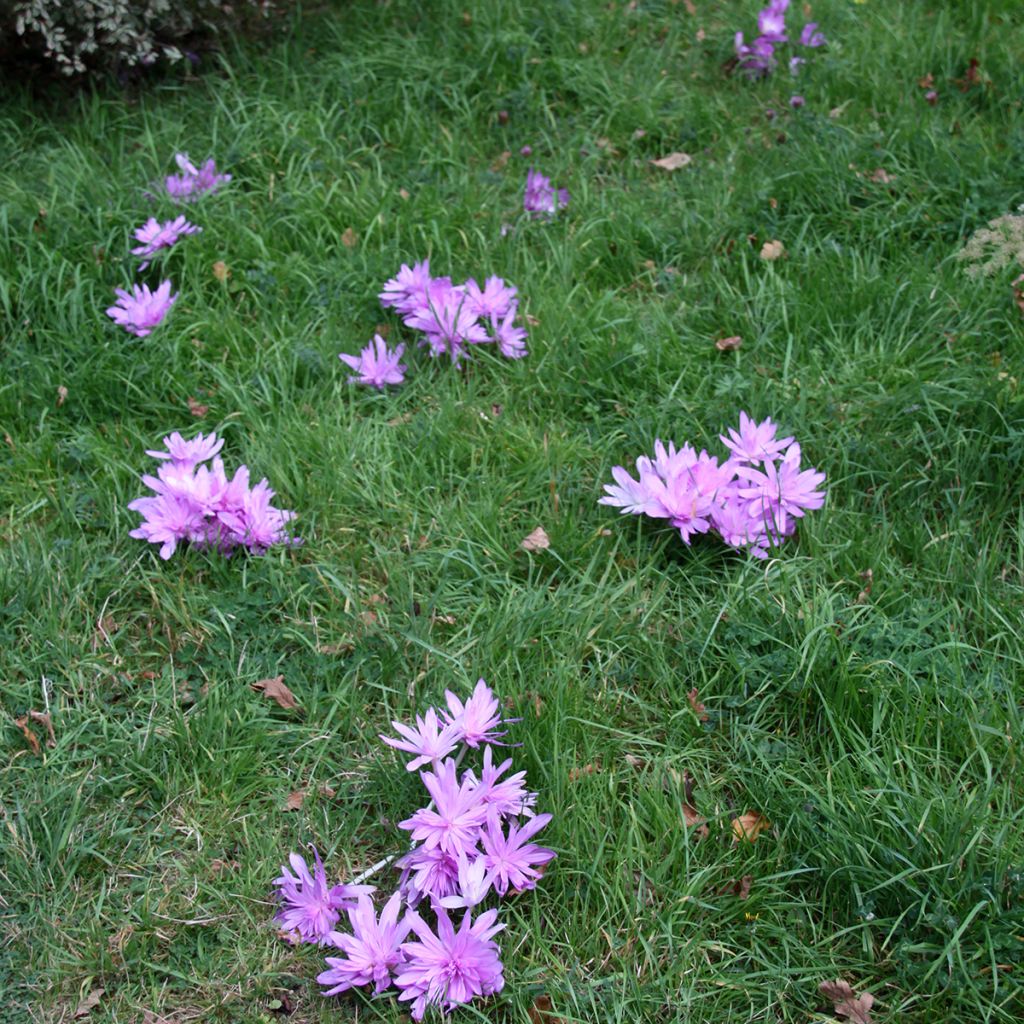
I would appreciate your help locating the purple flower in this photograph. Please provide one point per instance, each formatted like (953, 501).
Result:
(155, 235)
(373, 950)
(477, 720)
(408, 289)
(451, 967)
(376, 365)
(429, 741)
(540, 198)
(782, 490)
(432, 872)
(756, 59)
(771, 23)
(508, 797)
(493, 301)
(810, 36)
(526, 151)
(193, 181)
(165, 521)
(511, 860)
(795, 64)
(511, 339)
(309, 907)
(448, 321)
(188, 454)
(256, 525)
(140, 310)
(455, 823)
(632, 496)
(755, 441)
(796, 102)
(473, 885)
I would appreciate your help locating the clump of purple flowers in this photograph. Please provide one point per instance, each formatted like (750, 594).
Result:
(431, 941)
(452, 317)
(752, 500)
(761, 56)
(200, 504)
(540, 198)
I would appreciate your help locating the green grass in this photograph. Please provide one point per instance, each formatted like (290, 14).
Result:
(880, 735)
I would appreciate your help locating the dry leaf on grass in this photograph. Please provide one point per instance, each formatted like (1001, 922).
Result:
(729, 344)
(690, 816)
(404, 193)
(540, 1011)
(577, 773)
(33, 740)
(88, 1004)
(295, 800)
(749, 826)
(772, 250)
(673, 162)
(538, 540)
(349, 238)
(197, 408)
(217, 866)
(277, 691)
(42, 718)
(62, 395)
(220, 271)
(500, 161)
(740, 888)
(698, 708)
(847, 1003)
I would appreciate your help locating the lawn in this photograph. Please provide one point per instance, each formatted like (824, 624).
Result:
(863, 689)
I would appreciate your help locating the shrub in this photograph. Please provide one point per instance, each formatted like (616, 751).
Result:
(113, 35)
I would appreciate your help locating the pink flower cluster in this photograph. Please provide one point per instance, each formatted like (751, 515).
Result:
(760, 57)
(450, 316)
(470, 843)
(751, 500)
(200, 504)
(140, 310)
(540, 198)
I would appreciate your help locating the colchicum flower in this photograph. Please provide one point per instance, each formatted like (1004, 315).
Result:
(540, 199)
(193, 181)
(429, 741)
(155, 236)
(376, 365)
(140, 310)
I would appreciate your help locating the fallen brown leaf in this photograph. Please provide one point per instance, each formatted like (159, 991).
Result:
(749, 826)
(277, 691)
(673, 162)
(698, 708)
(499, 162)
(328, 792)
(349, 238)
(538, 540)
(881, 176)
(62, 395)
(217, 866)
(42, 718)
(540, 1011)
(575, 774)
(295, 800)
(729, 344)
(690, 816)
(927, 81)
(345, 647)
(772, 250)
(404, 193)
(197, 408)
(368, 617)
(33, 740)
(88, 1004)
(846, 1002)
(220, 271)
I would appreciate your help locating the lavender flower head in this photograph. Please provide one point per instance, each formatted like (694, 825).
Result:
(308, 906)
(540, 199)
(140, 310)
(155, 236)
(449, 968)
(373, 952)
(376, 365)
(193, 181)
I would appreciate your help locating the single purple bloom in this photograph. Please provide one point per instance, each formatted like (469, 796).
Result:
(508, 797)
(494, 300)
(155, 236)
(373, 950)
(451, 967)
(376, 365)
(473, 885)
(309, 907)
(771, 23)
(796, 102)
(540, 198)
(454, 821)
(632, 496)
(408, 288)
(810, 36)
(429, 741)
(140, 310)
(512, 860)
(258, 525)
(526, 151)
(795, 64)
(932, 97)
(510, 338)
(476, 721)
(432, 872)
(756, 59)
(188, 453)
(755, 442)
(782, 490)
(737, 529)
(165, 520)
